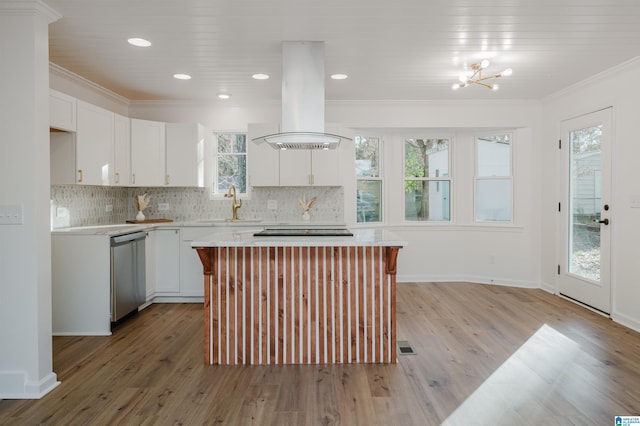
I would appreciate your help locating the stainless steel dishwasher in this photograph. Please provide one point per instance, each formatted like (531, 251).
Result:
(128, 279)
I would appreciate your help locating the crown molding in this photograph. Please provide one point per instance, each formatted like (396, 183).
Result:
(597, 78)
(65, 73)
(29, 7)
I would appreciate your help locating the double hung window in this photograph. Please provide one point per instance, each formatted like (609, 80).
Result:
(368, 179)
(427, 181)
(230, 163)
(493, 179)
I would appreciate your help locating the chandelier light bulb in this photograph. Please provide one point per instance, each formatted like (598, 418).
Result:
(507, 72)
(463, 78)
(495, 87)
(455, 86)
(484, 64)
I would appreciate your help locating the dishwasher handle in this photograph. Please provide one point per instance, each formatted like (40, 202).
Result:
(127, 237)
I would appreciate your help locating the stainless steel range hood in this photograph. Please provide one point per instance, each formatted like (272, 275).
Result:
(302, 125)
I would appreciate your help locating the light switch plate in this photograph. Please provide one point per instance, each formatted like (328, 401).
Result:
(272, 204)
(11, 215)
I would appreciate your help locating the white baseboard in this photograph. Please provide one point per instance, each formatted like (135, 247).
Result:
(14, 386)
(468, 279)
(177, 299)
(627, 321)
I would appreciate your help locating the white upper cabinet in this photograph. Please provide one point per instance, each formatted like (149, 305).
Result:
(62, 111)
(263, 162)
(273, 167)
(185, 154)
(148, 153)
(310, 168)
(122, 150)
(94, 145)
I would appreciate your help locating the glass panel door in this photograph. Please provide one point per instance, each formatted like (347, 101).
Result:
(585, 224)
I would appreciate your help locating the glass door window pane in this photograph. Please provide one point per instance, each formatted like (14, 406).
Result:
(584, 195)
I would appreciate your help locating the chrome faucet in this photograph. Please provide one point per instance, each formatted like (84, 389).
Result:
(235, 205)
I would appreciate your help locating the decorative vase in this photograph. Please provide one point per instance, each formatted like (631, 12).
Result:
(305, 216)
(140, 215)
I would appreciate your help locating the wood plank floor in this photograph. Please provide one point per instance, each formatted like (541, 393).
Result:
(486, 355)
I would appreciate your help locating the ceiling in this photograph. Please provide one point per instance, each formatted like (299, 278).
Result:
(391, 50)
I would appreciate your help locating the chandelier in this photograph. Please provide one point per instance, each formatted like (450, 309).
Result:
(474, 76)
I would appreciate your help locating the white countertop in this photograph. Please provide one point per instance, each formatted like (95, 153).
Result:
(245, 238)
(126, 228)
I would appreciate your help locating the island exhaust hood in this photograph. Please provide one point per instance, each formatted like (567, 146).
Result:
(302, 125)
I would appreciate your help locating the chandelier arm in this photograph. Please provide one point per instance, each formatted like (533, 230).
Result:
(488, 86)
(489, 77)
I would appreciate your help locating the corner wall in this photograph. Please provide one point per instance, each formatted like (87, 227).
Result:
(608, 89)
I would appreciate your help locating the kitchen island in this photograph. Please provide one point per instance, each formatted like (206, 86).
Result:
(299, 299)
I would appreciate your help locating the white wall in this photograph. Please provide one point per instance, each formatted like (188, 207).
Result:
(25, 251)
(610, 89)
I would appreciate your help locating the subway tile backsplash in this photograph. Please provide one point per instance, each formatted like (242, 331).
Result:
(80, 205)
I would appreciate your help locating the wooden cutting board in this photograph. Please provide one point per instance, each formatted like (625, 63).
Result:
(150, 221)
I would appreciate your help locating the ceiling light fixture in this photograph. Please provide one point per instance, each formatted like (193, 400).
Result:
(182, 76)
(339, 76)
(474, 76)
(139, 42)
(224, 95)
(260, 76)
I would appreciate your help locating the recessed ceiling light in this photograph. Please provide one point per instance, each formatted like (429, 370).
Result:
(224, 95)
(139, 42)
(260, 76)
(182, 76)
(339, 76)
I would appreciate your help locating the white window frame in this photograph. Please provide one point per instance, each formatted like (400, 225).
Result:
(379, 178)
(214, 194)
(448, 178)
(510, 177)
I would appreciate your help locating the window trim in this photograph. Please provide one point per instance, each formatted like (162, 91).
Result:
(511, 177)
(449, 179)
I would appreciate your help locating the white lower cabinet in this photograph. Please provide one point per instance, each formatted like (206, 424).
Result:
(81, 285)
(167, 262)
(191, 273)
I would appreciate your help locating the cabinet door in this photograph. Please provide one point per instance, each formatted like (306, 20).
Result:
(94, 145)
(325, 168)
(150, 263)
(167, 261)
(147, 153)
(263, 162)
(185, 154)
(191, 271)
(122, 150)
(62, 111)
(295, 168)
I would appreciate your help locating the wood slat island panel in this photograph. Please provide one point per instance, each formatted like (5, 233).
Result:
(303, 304)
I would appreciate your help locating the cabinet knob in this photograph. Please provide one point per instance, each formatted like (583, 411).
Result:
(166, 179)
(133, 178)
(117, 177)
(79, 175)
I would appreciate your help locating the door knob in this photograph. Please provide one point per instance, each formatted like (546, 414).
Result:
(605, 221)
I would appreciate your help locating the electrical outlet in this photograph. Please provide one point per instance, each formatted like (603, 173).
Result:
(109, 208)
(272, 204)
(11, 215)
(62, 212)
(163, 206)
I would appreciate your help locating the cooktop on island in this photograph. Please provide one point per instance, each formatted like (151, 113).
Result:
(304, 232)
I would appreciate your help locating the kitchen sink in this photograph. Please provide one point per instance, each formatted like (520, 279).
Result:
(229, 221)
